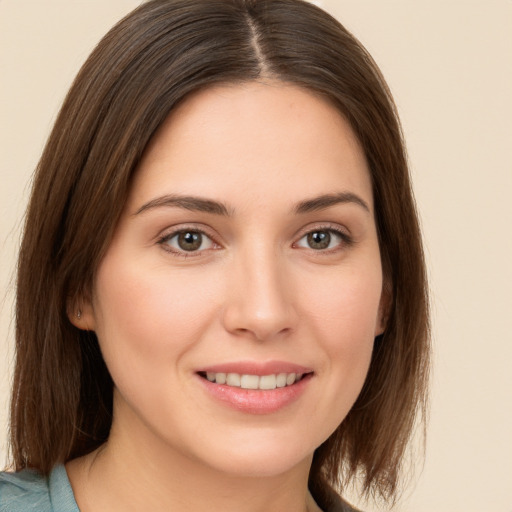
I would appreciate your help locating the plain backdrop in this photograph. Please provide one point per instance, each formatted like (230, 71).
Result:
(449, 66)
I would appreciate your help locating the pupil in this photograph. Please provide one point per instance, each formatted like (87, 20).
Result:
(319, 239)
(189, 241)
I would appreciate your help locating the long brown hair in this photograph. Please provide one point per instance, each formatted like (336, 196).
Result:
(149, 62)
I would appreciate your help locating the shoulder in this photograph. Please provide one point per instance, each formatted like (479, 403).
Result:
(339, 505)
(26, 490)
(30, 491)
(330, 501)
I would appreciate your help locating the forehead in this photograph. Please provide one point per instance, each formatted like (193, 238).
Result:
(248, 137)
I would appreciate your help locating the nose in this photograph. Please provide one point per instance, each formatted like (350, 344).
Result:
(260, 297)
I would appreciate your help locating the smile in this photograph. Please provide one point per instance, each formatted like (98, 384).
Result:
(247, 381)
(256, 387)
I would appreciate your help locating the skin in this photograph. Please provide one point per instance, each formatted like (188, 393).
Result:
(254, 291)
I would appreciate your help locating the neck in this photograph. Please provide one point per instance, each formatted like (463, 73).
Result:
(125, 475)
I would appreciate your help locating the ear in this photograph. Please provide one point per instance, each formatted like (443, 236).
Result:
(81, 313)
(384, 309)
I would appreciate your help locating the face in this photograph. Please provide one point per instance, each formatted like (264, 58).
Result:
(238, 302)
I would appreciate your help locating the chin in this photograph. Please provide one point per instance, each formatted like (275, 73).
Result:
(259, 459)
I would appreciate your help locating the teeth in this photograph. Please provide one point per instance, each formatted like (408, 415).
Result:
(249, 381)
(233, 379)
(268, 382)
(245, 381)
(281, 380)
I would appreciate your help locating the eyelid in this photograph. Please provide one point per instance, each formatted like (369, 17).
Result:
(337, 229)
(170, 232)
(173, 231)
(326, 226)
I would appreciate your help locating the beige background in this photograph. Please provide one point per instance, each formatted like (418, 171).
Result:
(449, 65)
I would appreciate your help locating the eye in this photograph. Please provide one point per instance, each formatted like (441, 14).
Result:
(322, 239)
(187, 240)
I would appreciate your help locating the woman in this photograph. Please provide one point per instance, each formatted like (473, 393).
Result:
(221, 295)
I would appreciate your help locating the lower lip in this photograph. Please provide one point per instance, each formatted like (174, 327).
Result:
(254, 401)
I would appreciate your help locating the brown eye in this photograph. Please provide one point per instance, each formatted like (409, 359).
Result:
(187, 241)
(319, 239)
(190, 240)
(323, 239)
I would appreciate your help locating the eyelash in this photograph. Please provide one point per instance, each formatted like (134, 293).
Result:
(345, 241)
(167, 237)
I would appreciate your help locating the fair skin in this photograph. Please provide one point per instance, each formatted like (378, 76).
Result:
(247, 246)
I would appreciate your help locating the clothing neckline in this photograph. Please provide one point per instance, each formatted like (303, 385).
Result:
(62, 498)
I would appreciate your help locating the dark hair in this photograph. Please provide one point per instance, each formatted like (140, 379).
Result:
(147, 64)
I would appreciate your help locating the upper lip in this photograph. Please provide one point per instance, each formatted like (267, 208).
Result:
(256, 368)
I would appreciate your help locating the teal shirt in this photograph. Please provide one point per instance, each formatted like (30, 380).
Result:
(29, 491)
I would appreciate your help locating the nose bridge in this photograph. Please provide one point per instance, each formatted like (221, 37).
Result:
(259, 301)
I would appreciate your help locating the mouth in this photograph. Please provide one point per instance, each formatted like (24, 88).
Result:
(256, 387)
(254, 382)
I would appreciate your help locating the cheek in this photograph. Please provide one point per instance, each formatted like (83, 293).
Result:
(147, 314)
(346, 304)
(344, 312)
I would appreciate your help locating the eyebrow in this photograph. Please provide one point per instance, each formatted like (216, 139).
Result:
(200, 204)
(327, 200)
(192, 203)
